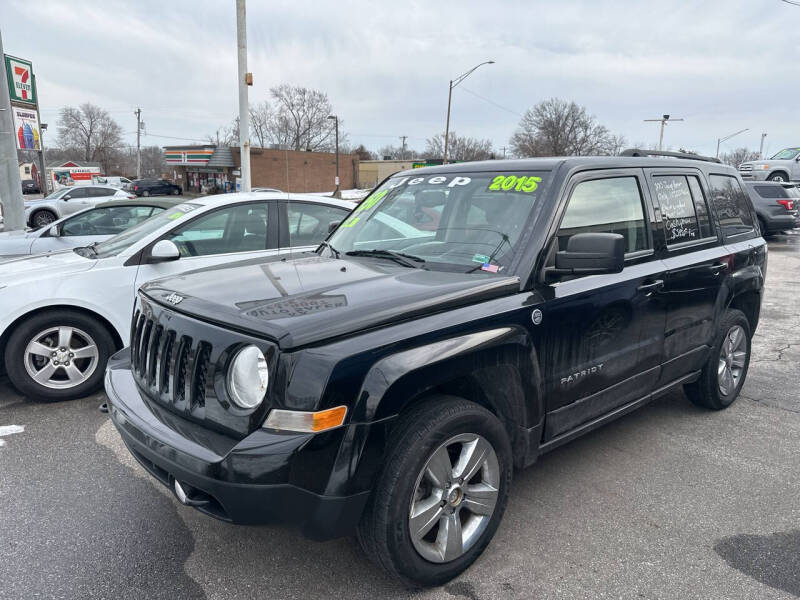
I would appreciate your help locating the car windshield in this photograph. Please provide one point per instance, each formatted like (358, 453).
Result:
(118, 243)
(787, 154)
(792, 192)
(462, 221)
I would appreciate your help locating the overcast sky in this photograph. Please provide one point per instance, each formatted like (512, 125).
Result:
(721, 65)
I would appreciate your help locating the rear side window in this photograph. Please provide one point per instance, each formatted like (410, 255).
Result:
(611, 205)
(683, 208)
(770, 191)
(731, 204)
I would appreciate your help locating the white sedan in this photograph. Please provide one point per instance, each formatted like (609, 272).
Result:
(42, 212)
(63, 314)
(96, 224)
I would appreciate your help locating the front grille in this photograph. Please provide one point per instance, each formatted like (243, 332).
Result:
(179, 363)
(743, 168)
(169, 366)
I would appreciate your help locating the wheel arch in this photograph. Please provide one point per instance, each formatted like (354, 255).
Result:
(497, 369)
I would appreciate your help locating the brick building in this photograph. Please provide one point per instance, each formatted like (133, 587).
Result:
(208, 168)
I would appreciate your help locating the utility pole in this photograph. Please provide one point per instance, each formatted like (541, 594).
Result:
(10, 184)
(44, 178)
(336, 192)
(403, 151)
(504, 152)
(663, 120)
(720, 140)
(245, 79)
(138, 113)
(454, 83)
(761, 148)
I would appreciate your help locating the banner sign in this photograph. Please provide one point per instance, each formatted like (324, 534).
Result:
(26, 128)
(20, 80)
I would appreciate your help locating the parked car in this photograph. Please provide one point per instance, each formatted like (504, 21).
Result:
(29, 186)
(793, 191)
(63, 314)
(782, 167)
(115, 181)
(42, 212)
(81, 229)
(775, 206)
(388, 385)
(154, 187)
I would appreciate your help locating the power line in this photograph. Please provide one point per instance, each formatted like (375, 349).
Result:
(792, 2)
(492, 102)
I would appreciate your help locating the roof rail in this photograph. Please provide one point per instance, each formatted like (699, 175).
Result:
(638, 152)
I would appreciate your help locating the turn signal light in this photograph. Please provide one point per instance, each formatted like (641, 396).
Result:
(306, 422)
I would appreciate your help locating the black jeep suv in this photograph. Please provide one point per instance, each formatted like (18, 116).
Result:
(460, 322)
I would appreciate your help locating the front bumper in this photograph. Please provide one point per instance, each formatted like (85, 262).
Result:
(220, 476)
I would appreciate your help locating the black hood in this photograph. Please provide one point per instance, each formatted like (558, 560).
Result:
(305, 300)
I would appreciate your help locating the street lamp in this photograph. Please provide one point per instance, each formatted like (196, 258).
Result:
(336, 193)
(720, 140)
(454, 83)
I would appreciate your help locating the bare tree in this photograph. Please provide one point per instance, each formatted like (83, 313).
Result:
(458, 148)
(91, 131)
(738, 156)
(227, 135)
(397, 152)
(261, 116)
(300, 120)
(556, 127)
(363, 153)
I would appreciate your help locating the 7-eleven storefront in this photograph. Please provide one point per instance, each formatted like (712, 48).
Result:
(201, 169)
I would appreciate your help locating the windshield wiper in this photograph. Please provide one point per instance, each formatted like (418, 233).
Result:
(407, 260)
(333, 250)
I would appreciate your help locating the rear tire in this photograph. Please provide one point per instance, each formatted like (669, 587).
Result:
(468, 447)
(176, 191)
(145, 193)
(40, 369)
(726, 369)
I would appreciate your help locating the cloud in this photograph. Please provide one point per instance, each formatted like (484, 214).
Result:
(722, 66)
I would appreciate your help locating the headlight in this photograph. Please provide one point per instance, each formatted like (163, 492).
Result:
(248, 377)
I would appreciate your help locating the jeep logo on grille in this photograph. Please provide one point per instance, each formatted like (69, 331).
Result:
(174, 298)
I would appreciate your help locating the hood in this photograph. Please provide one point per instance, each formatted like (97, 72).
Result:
(306, 300)
(15, 235)
(758, 163)
(36, 268)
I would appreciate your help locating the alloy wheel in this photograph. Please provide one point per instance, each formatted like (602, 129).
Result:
(61, 357)
(732, 356)
(42, 219)
(454, 498)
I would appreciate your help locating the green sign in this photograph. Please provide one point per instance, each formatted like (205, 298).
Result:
(20, 80)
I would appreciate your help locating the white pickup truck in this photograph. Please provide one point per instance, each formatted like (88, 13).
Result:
(783, 167)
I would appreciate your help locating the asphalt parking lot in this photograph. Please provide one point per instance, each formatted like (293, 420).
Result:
(669, 502)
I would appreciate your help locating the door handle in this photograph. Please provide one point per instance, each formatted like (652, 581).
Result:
(717, 268)
(652, 286)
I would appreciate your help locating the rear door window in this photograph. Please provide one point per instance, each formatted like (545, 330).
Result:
(683, 208)
(731, 205)
(770, 191)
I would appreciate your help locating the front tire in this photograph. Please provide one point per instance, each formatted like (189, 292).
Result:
(724, 374)
(42, 218)
(58, 355)
(145, 193)
(778, 177)
(442, 492)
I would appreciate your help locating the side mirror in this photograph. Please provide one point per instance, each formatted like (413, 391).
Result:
(592, 254)
(66, 197)
(332, 226)
(54, 231)
(164, 251)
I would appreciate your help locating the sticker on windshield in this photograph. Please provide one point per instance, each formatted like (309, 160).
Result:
(516, 183)
(365, 205)
(481, 258)
(175, 215)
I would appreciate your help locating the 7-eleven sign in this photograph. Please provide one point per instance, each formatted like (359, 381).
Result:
(20, 80)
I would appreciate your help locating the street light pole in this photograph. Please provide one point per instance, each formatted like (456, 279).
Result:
(720, 140)
(454, 83)
(761, 147)
(663, 120)
(336, 192)
(245, 79)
